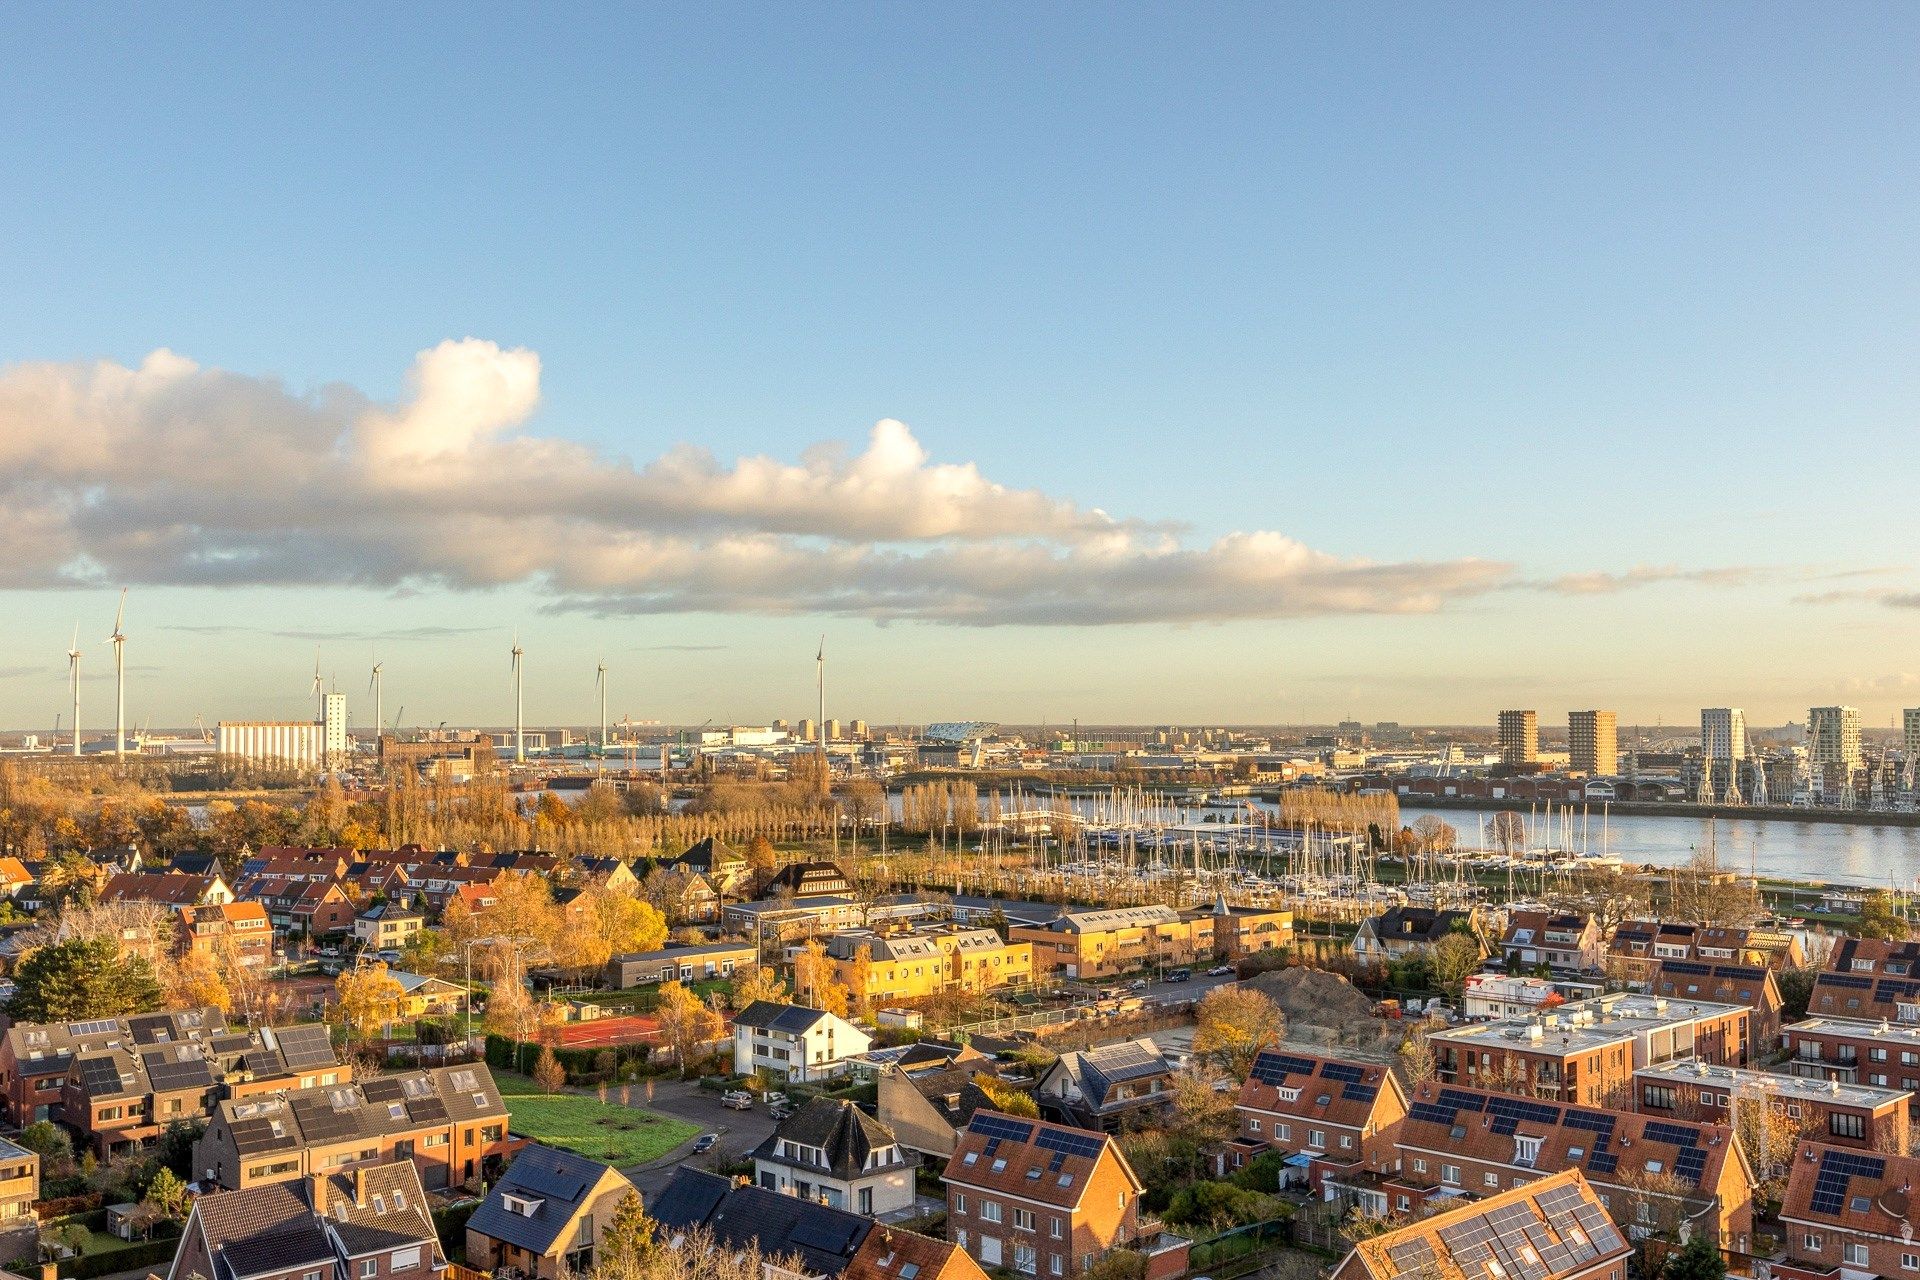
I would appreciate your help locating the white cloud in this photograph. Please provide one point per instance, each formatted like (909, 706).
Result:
(170, 473)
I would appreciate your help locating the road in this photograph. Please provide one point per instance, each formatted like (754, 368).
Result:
(740, 1132)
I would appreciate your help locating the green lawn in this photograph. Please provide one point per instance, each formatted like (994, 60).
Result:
(582, 1124)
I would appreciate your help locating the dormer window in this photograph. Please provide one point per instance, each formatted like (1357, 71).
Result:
(1289, 1095)
(1526, 1151)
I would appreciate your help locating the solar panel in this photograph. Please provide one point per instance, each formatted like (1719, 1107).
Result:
(992, 1126)
(1342, 1071)
(426, 1110)
(1428, 1113)
(1848, 981)
(1360, 1092)
(306, 1046)
(1674, 1135)
(1462, 1101)
(1274, 1068)
(829, 1234)
(1837, 1168)
(1685, 966)
(1602, 1162)
(1691, 1164)
(1072, 1142)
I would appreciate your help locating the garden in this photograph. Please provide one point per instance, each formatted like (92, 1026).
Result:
(612, 1131)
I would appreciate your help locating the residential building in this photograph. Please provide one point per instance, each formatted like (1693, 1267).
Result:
(718, 863)
(1833, 747)
(1910, 732)
(1749, 985)
(1639, 947)
(899, 960)
(815, 1241)
(1486, 996)
(546, 1215)
(1088, 945)
(36, 1059)
(422, 995)
(606, 872)
(450, 1121)
(1868, 979)
(1239, 932)
(19, 1187)
(889, 1253)
(1854, 1115)
(387, 927)
(1653, 1174)
(1586, 1051)
(1848, 1215)
(808, 880)
(1519, 737)
(1569, 943)
(1039, 1198)
(1593, 743)
(1326, 1117)
(1883, 1054)
(1723, 739)
(1553, 1228)
(167, 889)
(794, 1043)
(831, 1151)
(926, 1102)
(1399, 932)
(1103, 1087)
(299, 907)
(236, 932)
(370, 1223)
(683, 964)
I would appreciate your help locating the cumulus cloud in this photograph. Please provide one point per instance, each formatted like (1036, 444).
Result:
(171, 473)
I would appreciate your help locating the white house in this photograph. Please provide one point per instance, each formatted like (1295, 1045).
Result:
(790, 1042)
(833, 1152)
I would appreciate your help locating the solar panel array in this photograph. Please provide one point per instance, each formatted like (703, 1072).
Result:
(1507, 1114)
(1844, 980)
(1274, 1068)
(1837, 1169)
(302, 1047)
(1352, 1080)
(991, 1126)
(1072, 1142)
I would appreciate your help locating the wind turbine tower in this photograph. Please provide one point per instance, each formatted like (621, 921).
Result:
(600, 679)
(378, 690)
(319, 687)
(73, 678)
(119, 642)
(820, 679)
(519, 707)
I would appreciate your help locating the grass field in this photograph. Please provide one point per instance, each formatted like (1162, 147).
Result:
(586, 1126)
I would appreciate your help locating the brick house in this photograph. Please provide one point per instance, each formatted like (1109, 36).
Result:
(1883, 1054)
(237, 929)
(1848, 1212)
(1638, 946)
(1039, 1199)
(1329, 1119)
(1848, 1115)
(370, 1224)
(1751, 985)
(1569, 943)
(1554, 1228)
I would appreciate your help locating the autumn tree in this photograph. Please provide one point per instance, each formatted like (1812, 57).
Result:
(1507, 832)
(815, 980)
(630, 1246)
(368, 998)
(1234, 1025)
(195, 981)
(760, 983)
(1004, 1097)
(1769, 1138)
(1452, 959)
(547, 1071)
(685, 1022)
(1417, 1061)
(1435, 834)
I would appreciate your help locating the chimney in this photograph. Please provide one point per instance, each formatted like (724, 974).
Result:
(317, 1191)
(360, 1186)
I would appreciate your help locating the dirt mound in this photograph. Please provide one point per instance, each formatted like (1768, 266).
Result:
(1324, 1008)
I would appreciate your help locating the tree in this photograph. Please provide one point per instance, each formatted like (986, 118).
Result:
(760, 983)
(1005, 1098)
(860, 975)
(167, 1194)
(1417, 1060)
(1701, 1259)
(1235, 1024)
(685, 1022)
(1796, 989)
(1435, 834)
(1878, 919)
(369, 997)
(762, 862)
(629, 1247)
(1453, 958)
(49, 1141)
(1769, 1138)
(547, 1071)
(195, 981)
(80, 980)
(814, 980)
(1507, 832)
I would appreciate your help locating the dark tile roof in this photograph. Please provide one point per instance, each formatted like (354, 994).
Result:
(556, 1182)
(769, 1015)
(822, 1240)
(846, 1134)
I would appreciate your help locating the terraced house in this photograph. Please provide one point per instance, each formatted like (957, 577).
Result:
(1039, 1199)
(1552, 1229)
(1848, 1215)
(1751, 985)
(1830, 1111)
(369, 1224)
(448, 1121)
(1563, 942)
(1869, 979)
(1652, 1174)
(1883, 1054)
(1638, 947)
(1334, 1122)
(1109, 941)
(900, 961)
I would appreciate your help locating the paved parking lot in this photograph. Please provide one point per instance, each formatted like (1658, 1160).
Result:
(740, 1131)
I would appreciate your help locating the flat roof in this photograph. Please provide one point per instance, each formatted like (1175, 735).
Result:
(1589, 1024)
(1728, 1079)
(1864, 1028)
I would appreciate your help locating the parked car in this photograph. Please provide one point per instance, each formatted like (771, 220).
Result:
(1180, 975)
(1221, 971)
(737, 1099)
(704, 1143)
(1138, 984)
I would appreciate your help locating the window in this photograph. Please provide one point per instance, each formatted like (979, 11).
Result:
(369, 1268)
(1450, 1174)
(1526, 1150)
(406, 1259)
(1842, 1125)
(1810, 1242)
(1317, 1138)
(1054, 1229)
(1910, 1262)
(1856, 1255)
(1054, 1267)
(1025, 1260)
(1253, 1124)
(989, 1211)
(1657, 1096)
(959, 1202)
(1023, 1219)
(1420, 1165)
(1284, 1132)
(1346, 1142)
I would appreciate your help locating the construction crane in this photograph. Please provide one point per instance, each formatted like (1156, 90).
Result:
(206, 735)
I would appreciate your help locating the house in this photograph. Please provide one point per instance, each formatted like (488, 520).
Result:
(239, 931)
(721, 865)
(927, 1107)
(387, 927)
(1883, 1054)
(14, 877)
(831, 1151)
(1109, 941)
(1239, 932)
(19, 1187)
(1638, 946)
(1868, 978)
(1399, 932)
(793, 1043)
(422, 995)
(808, 880)
(889, 1253)
(797, 1238)
(1751, 985)
(191, 862)
(369, 1223)
(450, 1121)
(1848, 1212)
(896, 960)
(1324, 1116)
(1101, 1088)
(1586, 1051)
(36, 1059)
(167, 889)
(1039, 1198)
(1553, 1228)
(545, 1215)
(1498, 995)
(608, 873)
(1653, 1173)
(299, 907)
(1848, 1115)
(1564, 942)
(685, 964)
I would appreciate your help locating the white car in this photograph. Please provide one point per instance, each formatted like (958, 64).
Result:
(1220, 971)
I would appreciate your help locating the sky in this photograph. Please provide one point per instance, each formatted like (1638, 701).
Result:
(1129, 363)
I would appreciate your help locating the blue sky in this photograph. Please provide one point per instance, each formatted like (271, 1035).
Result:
(1571, 293)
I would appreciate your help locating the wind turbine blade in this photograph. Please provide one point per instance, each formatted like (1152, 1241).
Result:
(119, 614)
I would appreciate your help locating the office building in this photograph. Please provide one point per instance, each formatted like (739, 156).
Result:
(1833, 745)
(1723, 737)
(1910, 737)
(1593, 742)
(1519, 737)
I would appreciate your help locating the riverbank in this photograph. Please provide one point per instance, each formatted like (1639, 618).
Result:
(1673, 809)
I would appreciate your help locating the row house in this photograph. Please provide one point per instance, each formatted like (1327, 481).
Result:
(1751, 985)
(1566, 942)
(1883, 1054)
(167, 889)
(1848, 1215)
(1587, 1051)
(369, 1224)
(926, 1100)
(302, 908)
(1554, 1228)
(1328, 1119)
(36, 1057)
(19, 1186)
(683, 964)
(1039, 1199)
(896, 960)
(449, 1121)
(235, 931)
(1107, 1086)
(1638, 947)
(1827, 1111)
(1110, 941)
(1654, 1175)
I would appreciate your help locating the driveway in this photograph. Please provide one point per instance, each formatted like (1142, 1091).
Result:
(740, 1132)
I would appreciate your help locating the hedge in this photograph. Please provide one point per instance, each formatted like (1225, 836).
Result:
(450, 1224)
(145, 1254)
(581, 1065)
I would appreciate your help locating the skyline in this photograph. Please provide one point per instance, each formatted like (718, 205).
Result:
(1275, 368)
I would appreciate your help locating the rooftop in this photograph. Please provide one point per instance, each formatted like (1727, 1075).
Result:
(1901, 1033)
(1732, 1079)
(1589, 1024)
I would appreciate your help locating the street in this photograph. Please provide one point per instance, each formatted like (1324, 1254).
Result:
(740, 1132)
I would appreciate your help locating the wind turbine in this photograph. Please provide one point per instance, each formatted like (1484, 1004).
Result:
(119, 642)
(379, 694)
(519, 705)
(319, 686)
(73, 678)
(820, 678)
(600, 679)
